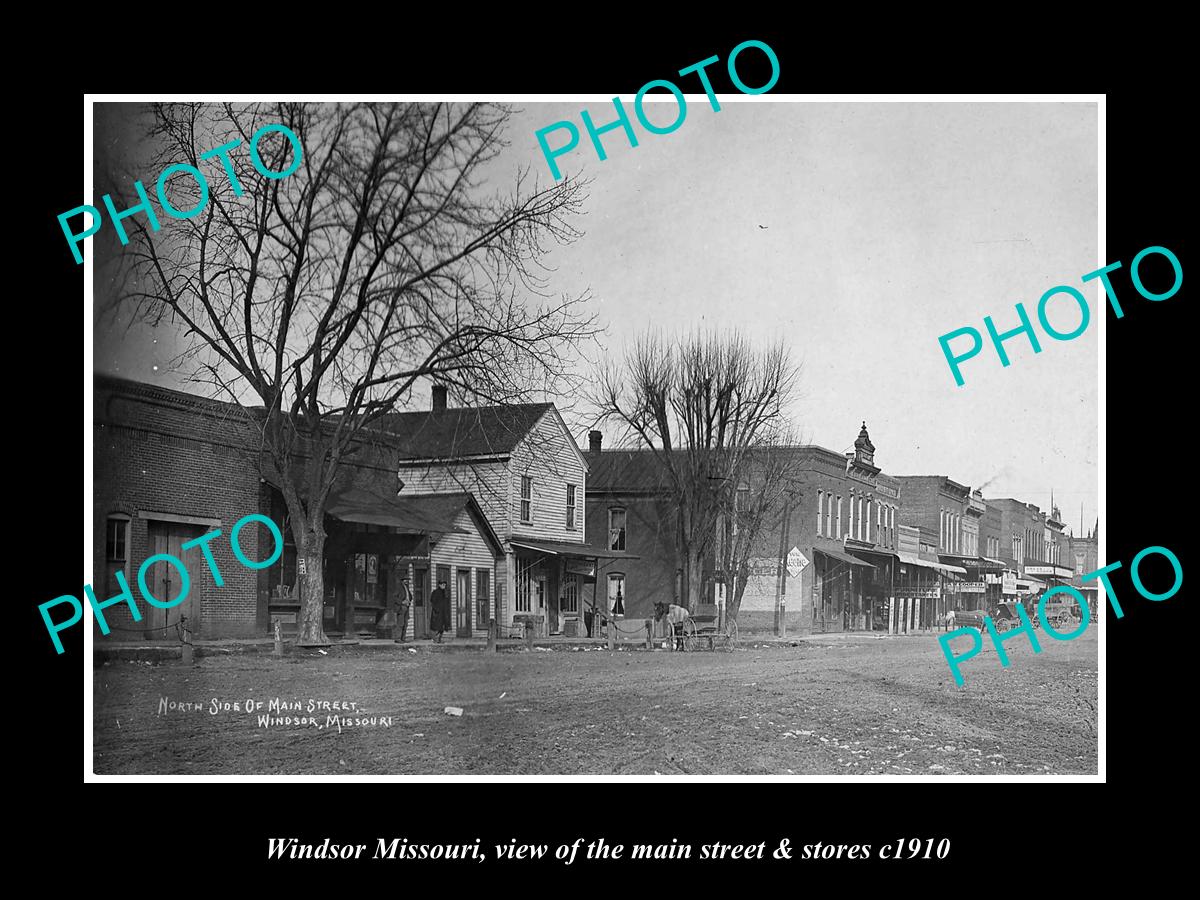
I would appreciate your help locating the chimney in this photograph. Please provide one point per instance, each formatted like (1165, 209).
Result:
(595, 439)
(439, 397)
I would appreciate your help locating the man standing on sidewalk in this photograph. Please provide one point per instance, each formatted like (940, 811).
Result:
(403, 605)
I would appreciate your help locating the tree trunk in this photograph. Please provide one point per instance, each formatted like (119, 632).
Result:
(310, 628)
(694, 571)
(734, 604)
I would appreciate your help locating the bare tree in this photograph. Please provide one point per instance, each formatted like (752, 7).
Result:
(702, 403)
(768, 484)
(326, 294)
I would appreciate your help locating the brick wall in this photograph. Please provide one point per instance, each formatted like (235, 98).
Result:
(162, 454)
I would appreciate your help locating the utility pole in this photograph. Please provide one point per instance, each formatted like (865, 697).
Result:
(781, 584)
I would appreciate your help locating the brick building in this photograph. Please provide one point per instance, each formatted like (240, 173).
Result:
(1031, 545)
(630, 510)
(840, 533)
(1084, 554)
(170, 467)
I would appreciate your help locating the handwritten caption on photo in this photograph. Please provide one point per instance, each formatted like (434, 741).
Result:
(282, 713)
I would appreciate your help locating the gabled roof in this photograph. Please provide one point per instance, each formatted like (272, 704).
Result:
(446, 507)
(461, 433)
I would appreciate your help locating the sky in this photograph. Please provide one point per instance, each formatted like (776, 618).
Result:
(857, 232)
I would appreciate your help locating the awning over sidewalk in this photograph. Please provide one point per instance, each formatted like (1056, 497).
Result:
(942, 567)
(979, 563)
(914, 560)
(370, 508)
(565, 548)
(844, 557)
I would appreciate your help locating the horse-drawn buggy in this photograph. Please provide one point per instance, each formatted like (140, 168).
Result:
(703, 627)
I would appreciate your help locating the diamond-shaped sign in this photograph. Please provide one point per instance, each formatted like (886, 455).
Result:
(796, 561)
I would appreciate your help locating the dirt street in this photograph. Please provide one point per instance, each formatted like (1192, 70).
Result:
(844, 704)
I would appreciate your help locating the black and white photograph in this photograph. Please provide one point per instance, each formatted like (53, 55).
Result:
(682, 437)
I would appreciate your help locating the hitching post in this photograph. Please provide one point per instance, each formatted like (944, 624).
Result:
(610, 632)
(649, 639)
(185, 640)
(491, 644)
(278, 651)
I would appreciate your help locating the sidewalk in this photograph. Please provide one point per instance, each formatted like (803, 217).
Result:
(104, 649)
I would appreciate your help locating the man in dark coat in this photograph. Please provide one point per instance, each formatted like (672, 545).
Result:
(439, 611)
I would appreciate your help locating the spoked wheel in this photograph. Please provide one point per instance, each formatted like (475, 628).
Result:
(731, 636)
(690, 639)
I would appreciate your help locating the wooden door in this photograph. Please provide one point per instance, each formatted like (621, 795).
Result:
(420, 608)
(462, 603)
(165, 581)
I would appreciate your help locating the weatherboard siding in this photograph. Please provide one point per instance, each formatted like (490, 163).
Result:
(488, 481)
(469, 550)
(549, 456)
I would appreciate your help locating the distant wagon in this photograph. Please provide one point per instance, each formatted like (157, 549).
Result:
(702, 626)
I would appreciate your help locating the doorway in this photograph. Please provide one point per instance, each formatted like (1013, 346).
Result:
(420, 608)
(165, 581)
(462, 603)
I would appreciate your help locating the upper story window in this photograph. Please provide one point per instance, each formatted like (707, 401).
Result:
(616, 528)
(820, 509)
(526, 498)
(571, 507)
(839, 517)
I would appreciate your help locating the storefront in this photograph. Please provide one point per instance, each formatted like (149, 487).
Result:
(556, 587)
(372, 543)
(918, 603)
(840, 598)
(980, 587)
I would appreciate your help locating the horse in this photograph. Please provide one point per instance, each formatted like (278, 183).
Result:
(676, 616)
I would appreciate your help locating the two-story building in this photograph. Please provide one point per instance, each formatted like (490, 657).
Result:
(530, 479)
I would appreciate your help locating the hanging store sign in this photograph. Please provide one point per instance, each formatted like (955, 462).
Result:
(972, 587)
(1008, 582)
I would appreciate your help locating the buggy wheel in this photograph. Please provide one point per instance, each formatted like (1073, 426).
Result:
(731, 636)
(690, 638)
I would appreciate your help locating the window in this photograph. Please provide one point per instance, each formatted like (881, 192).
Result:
(526, 498)
(820, 510)
(570, 594)
(570, 507)
(839, 517)
(616, 528)
(483, 596)
(524, 585)
(616, 594)
(828, 514)
(116, 543)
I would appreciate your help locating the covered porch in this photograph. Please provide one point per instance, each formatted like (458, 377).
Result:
(556, 590)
